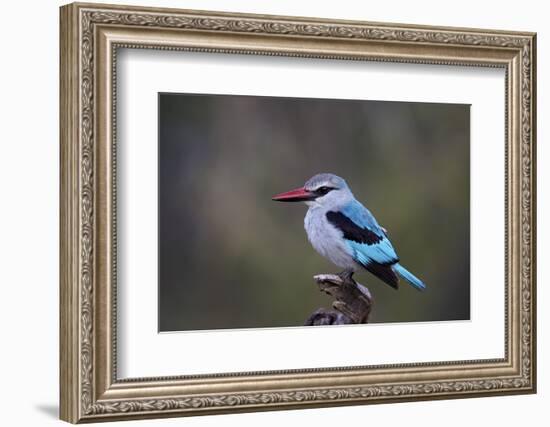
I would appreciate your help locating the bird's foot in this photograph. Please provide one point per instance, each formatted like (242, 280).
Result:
(346, 275)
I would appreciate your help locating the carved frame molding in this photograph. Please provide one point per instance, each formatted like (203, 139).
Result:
(90, 37)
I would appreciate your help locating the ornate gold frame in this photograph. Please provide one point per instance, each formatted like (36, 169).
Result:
(90, 36)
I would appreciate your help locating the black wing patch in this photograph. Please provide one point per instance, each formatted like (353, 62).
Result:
(351, 230)
(366, 236)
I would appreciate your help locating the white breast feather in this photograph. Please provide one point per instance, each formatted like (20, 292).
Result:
(327, 240)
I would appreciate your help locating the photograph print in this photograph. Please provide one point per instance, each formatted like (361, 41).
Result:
(295, 212)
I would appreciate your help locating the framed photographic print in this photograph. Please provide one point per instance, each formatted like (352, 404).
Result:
(265, 212)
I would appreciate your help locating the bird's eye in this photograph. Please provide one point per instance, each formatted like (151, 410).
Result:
(323, 190)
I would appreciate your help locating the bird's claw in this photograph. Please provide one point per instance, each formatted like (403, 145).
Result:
(346, 275)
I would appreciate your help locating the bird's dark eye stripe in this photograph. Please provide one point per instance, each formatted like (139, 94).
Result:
(324, 190)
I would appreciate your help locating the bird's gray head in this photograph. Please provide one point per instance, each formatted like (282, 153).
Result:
(321, 190)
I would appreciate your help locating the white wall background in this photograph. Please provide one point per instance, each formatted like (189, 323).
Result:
(29, 169)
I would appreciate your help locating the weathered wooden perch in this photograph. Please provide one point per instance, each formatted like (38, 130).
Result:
(352, 305)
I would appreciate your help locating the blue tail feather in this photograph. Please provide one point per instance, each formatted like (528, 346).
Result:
(409, 277)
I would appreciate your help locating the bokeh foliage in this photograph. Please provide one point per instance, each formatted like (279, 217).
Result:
(232, 258)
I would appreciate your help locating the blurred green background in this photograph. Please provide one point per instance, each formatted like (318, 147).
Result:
(232, 258)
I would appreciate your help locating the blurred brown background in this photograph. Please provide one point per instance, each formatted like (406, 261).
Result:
(232, 258)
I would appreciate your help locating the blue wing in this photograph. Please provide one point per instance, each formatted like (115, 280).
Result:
(368, 242)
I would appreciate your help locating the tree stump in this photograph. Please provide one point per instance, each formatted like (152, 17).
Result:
(352, 305)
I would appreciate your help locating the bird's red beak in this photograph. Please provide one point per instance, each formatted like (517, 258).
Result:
(297, 195)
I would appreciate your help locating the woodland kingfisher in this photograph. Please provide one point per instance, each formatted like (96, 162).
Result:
(344, 231)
